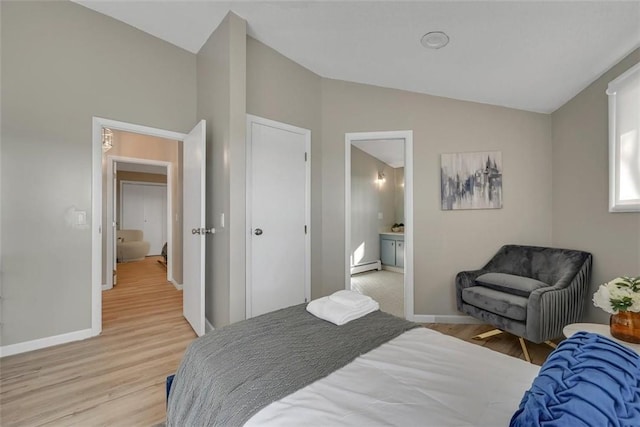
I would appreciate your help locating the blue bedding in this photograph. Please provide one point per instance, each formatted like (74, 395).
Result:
(589, 380)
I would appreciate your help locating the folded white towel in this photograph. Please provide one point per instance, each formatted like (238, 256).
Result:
(350, 298)
(337, 313)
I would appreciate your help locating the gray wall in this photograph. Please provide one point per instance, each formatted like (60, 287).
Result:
(445, 242)
(281, 90)
(221, 101)
(581, 218)
(61, 65)
(368, 198)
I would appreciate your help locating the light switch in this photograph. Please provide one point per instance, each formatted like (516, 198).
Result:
(222, 220)
(81, 218)
(379, 215)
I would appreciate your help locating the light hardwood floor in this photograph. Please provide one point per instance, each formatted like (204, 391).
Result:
(504, 343)
(117, 379)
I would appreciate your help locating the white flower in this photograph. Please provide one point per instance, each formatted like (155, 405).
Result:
(636, 304)
(620, 294)
(602, 299)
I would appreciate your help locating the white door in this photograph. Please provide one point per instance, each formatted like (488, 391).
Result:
(114, 228)
(193, 190)
(278, 270)
(132, 214)
(144, 207)
(155, 217)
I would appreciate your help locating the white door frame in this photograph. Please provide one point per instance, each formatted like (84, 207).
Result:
(407, 135)
(307, 260)
(110, 220)
(96, 204)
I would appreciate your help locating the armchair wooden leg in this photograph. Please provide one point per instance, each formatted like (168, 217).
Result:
(487, 334)
(524, 349)
(551, 344)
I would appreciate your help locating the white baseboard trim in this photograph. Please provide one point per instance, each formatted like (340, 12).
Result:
(23, 347)
(106, 287)
(177, 286)
(208, 327)
(444, 318)
(374, 265)
(392, 268)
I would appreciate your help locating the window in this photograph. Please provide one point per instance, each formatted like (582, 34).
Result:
(624, 142)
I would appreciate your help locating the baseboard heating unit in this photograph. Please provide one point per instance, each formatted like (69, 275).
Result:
(375, 265)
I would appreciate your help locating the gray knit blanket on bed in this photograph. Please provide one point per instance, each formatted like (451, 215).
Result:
(231, 373)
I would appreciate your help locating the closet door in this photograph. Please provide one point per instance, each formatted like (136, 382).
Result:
(132, 207)
(155, 217)
(144, 207)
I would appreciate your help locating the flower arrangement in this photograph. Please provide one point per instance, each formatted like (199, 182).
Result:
(620, 294)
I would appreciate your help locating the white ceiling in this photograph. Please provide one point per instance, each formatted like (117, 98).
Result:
(522, 54)
(389, 151)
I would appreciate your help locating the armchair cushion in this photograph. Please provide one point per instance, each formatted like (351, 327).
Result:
(510, 283)
(501, 303)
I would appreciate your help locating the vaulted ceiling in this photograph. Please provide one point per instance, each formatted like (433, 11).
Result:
(528, 55)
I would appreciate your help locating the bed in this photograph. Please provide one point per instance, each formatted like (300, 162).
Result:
(288, 368)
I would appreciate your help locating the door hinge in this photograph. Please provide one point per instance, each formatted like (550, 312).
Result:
(305, 156)
(305, 229)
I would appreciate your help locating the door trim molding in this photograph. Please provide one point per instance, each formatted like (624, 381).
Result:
(96, 204)
(407, 135)
(110, 220)
(307, 134)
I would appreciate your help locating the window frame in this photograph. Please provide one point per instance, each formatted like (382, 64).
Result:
(616, 205)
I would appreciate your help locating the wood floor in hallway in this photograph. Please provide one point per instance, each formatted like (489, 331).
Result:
(115, 379)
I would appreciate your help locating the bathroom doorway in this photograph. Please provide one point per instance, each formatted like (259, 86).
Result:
(379, 218)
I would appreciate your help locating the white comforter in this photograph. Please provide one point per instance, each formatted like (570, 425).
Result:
(421, 378)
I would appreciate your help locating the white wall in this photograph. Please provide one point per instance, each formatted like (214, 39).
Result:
(62, 64)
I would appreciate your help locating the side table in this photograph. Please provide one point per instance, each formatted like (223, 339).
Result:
(596, 328)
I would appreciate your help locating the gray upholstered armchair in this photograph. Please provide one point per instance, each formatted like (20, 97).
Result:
(532, 292)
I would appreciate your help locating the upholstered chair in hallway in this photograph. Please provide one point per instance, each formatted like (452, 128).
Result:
(130, 246)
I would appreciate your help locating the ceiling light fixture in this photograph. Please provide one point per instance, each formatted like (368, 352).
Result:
(435, 40)
(107, 139)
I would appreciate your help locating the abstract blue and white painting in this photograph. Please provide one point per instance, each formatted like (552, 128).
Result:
(471, 180)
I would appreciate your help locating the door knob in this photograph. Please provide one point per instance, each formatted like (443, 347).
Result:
(258, 231)
(203, 231)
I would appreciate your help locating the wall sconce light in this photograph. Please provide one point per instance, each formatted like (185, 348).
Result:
(381, 178)
(107, 139)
